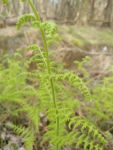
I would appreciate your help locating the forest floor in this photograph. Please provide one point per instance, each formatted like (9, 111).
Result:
(76, 43)
(85, 37)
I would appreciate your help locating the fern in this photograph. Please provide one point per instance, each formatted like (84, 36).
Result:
(90, 136)
(16, 91)
(27, 134)
(76, 82)
(25, 19)
(53, 97)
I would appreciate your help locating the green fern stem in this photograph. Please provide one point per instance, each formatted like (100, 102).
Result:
(48, 68)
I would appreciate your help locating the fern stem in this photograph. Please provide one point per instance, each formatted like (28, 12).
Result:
(48, 68)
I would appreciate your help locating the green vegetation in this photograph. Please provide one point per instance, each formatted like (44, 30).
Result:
(75, 113)
(87, 35)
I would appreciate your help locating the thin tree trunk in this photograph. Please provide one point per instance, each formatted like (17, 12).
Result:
(108, 13)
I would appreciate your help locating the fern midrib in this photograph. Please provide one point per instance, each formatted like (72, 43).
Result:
(48, 68)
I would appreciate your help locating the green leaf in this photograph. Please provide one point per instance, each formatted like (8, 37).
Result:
(25, 19)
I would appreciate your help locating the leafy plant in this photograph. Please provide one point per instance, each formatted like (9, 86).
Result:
(52, 97)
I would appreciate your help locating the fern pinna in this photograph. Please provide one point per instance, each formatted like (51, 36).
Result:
(54, 98)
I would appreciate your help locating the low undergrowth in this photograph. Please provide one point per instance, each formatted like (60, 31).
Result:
(75, 114)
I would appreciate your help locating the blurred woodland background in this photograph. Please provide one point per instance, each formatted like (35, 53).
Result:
(96, 12)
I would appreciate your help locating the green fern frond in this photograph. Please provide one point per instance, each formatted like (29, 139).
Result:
(75, 81)
(40, 57)
(36, 24)
(51, 33)
(27, 134)
(25, 19)
(32, 113)
(90, 136)
(33, 47)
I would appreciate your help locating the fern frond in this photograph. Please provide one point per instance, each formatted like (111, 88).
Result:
(90, 136)
(75, 81)
(32, 114)
(25, 19)
(51, 33)
(33, 47)
(27, 134)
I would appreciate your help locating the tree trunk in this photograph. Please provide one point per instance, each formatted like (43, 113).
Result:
(91, 12)
(108, 13)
